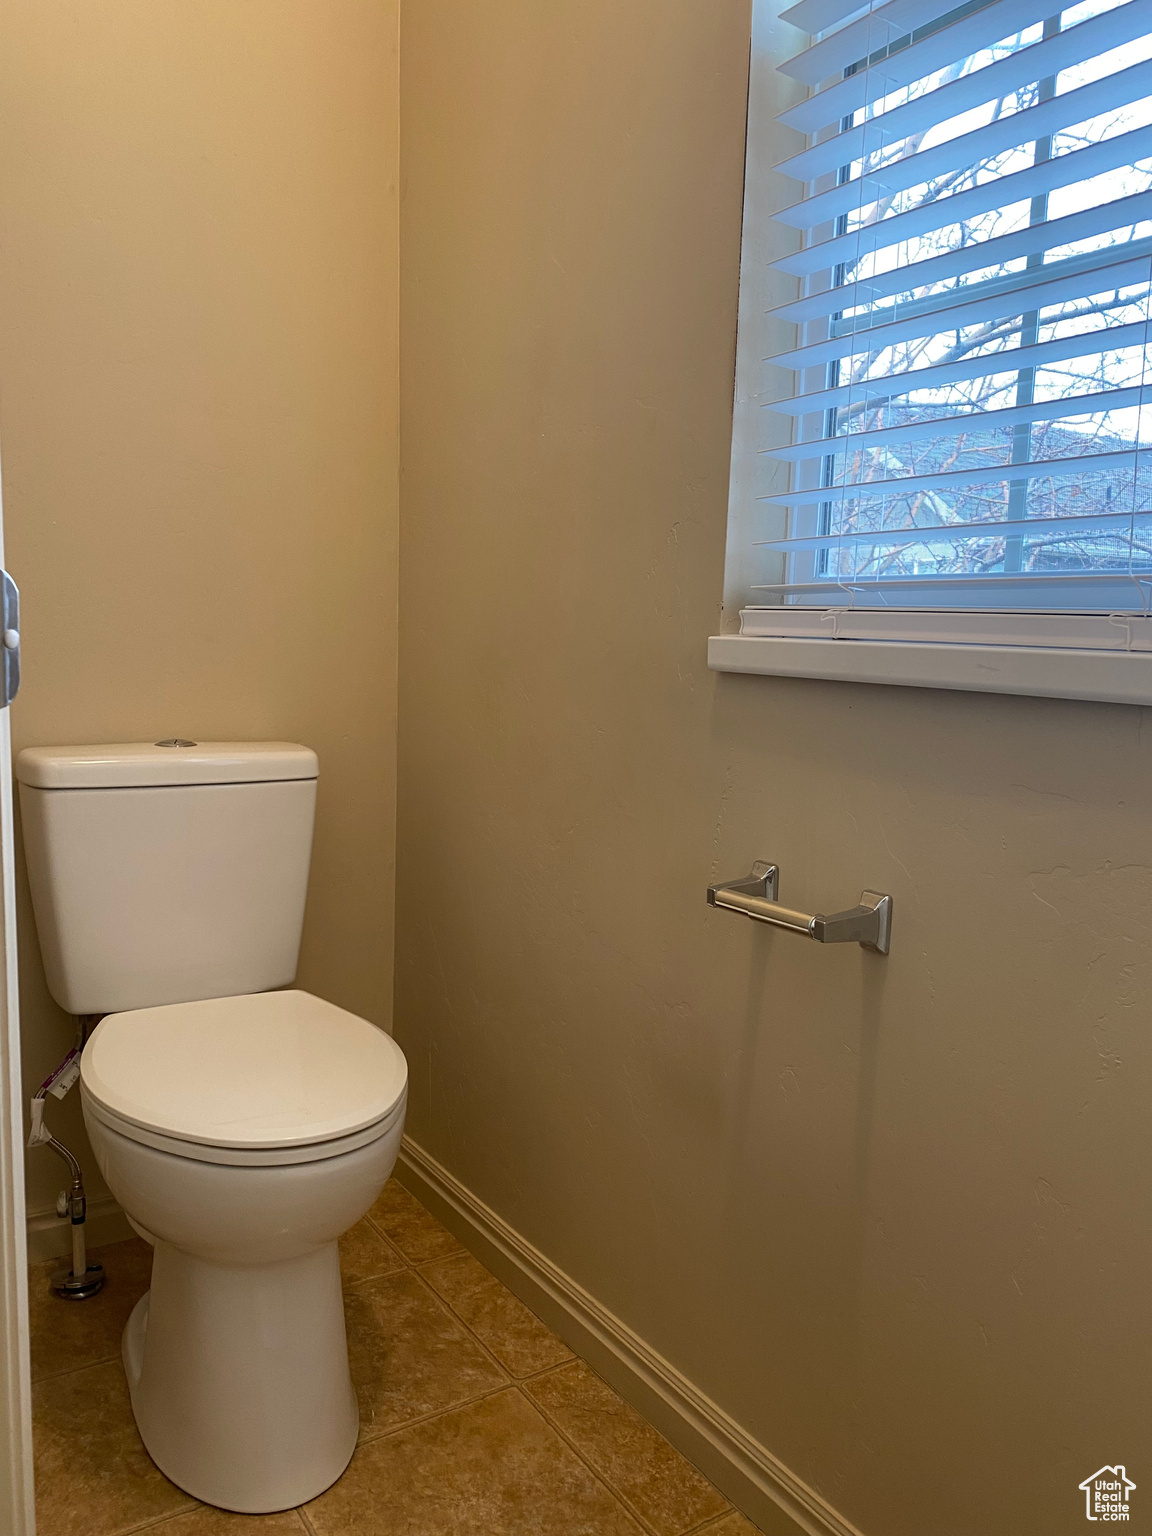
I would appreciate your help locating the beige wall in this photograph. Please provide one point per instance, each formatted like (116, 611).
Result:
(890, 1215)
(198, 388)
(893, 1216)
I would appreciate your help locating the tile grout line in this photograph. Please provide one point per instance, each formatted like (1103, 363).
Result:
(514, 1386)
(621, 1499)
(436, 1413)
(72, 1369)
(92, 1365)
(515, 1380)
(427, 1418)
(381, 1231)
(447, 1306)
(305, 1519)
(509, 1380)
(691, 1530)
(544, 1370)
(517, 1383)
(411, 1266)
(419, 1265)
(172, 1514)
(715, 1521)
(192, 1506)
(356, 1285)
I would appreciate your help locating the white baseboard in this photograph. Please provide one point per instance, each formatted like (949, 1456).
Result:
(50, 1236)
(744, 1471)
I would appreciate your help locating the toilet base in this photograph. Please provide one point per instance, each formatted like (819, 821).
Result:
(239, 1378)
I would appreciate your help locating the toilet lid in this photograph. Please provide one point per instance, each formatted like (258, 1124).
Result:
(273, 1069)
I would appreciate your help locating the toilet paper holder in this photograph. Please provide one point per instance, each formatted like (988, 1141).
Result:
(757, 896)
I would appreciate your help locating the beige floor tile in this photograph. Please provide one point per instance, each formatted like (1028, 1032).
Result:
(69, 1334)
(665, 1490)
(409, 1355)
(218, 1522)
(364, 1253)
(417, 1234)
(491, 1469)
(93, 1475)
(513, 1333)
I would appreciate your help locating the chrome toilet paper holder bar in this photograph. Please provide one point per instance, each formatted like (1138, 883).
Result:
(757, 896)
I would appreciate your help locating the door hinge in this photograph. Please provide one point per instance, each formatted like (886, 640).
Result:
(10, 648)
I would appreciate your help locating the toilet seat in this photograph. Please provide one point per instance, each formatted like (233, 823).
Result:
(265, 1079)
(241, 1157)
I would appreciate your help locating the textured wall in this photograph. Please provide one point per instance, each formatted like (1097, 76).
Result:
(198, 386)
(893, 1216)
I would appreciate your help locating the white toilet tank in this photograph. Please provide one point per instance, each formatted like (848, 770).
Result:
(166, 872)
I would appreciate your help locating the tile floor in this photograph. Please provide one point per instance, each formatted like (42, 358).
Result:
(475, 1420)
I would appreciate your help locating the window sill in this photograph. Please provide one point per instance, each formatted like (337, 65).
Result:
(1114, 677)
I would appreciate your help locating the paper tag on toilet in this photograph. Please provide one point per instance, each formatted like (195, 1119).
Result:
(62, 1084)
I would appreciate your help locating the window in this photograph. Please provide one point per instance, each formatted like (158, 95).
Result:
(951, 442)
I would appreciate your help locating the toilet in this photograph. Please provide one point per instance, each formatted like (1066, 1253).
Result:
(242, 1125)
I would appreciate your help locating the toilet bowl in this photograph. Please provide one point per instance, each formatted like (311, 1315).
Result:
(243, 1136)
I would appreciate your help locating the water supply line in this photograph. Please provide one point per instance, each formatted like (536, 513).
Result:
(83, 1279)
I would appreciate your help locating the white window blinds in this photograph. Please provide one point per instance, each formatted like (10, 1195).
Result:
(969, 423)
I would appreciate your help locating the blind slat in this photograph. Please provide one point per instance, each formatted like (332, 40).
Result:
(987, 579)
(1001, 304)
(857, 40)
(1100, 522)
(943, 480)
(1001, 19)
(987, 365)
(963, 423)
(980, 255)
(818, 15)
(1080, 165)
(994, 138)
(1049, 56)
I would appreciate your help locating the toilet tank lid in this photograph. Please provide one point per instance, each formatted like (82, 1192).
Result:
(134, 764)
